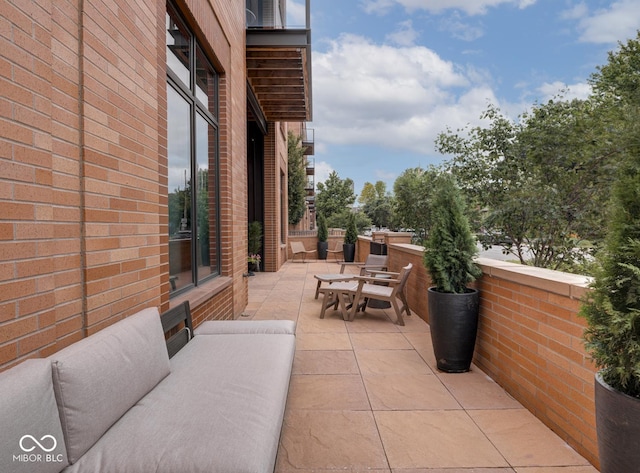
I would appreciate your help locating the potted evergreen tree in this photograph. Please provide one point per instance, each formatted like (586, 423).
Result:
(350, 239)
(612, 336)
(323, 236)
(449, 258)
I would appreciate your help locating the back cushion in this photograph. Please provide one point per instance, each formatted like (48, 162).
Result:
(99, 378)
(30, 432)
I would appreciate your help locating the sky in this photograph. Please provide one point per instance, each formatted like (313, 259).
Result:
(389, 75)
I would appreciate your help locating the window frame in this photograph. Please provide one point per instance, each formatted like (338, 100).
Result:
(189, 93)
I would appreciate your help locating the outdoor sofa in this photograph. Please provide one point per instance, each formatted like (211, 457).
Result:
(116, 402)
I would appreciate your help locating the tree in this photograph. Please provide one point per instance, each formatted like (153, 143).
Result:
(341, 220)
(371, 192)
(296, 178)
(612, 308)
(451, 246)
(377, 204)
(616, 86)
(413, 191)
(541, 182)
(334, 195)
(613, 305)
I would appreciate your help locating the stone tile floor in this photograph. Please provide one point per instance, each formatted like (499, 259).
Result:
(366, 396)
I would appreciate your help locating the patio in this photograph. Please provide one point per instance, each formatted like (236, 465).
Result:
(365, 395)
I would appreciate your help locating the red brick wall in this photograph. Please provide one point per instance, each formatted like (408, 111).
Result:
(83, 167)
(529, 340)
(40, 217)
(275, 196)
(120, 168)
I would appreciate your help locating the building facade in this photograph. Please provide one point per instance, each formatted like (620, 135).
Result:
(137, 140)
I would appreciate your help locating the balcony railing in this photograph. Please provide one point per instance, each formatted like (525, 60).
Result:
(308, 141)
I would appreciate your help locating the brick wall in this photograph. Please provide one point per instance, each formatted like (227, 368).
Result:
(83, 167)
(529, 340)
(40, 217)
(275, 196)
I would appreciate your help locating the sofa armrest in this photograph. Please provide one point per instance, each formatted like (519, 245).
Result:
(221, 327)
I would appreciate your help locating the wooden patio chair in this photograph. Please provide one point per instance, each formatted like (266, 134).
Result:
(372, 263)
(391, 292)
(337, 251)
(297, 248)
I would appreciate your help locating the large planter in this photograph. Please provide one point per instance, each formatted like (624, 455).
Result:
(453, 319)
(349, 250)
(618, 429)
(323, 248)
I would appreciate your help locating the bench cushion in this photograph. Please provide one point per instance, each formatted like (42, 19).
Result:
(31, 438)
(99, 378)
(216, 327)
(220, 410)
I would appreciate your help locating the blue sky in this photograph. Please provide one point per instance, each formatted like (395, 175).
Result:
(389, 75)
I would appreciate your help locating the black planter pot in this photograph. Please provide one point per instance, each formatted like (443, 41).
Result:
(349, 250)
(323, 247)
(453, 319)
(618, 429)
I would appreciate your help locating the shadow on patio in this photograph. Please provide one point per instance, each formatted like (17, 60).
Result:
(365, 395)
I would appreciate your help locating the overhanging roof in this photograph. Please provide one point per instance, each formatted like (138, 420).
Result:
(279, 72)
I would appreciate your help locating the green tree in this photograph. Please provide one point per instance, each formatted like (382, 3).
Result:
(371, 192)
(334, 195)
(323, 232)
(612, 308)
(377, 204)
(613, 305)
(541, 181)
(413, 191)
(351, 234)
(451, 246)
(616, 86)
(341, 220)
(296, 178)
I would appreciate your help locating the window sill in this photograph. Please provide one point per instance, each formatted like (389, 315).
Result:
(201, 294)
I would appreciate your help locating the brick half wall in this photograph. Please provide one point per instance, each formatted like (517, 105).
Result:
(529, 339)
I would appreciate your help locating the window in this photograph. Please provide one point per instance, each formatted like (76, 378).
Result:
(192, 148)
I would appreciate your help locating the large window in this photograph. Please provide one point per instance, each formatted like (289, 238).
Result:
(192, 145)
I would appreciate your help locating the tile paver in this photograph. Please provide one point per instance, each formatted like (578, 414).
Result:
(365, 396)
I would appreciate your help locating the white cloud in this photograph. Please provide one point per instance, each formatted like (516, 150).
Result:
(470, 7)
(378, 7)
(394, 97)
(619, 22)
(460, 29)
(551, 90)
(405, 35)
(576, 12)
(322, 171)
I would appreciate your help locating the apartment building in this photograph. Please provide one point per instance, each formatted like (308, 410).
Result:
(137, 140)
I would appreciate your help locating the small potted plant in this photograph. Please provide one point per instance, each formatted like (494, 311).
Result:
(254, 246)
(323, 236)
(254, 263)
(350, 239)
(449, 258)
(612, 336)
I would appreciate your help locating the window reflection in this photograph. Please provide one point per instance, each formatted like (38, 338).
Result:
(205, 82)
(178, 48)
(192, 92)
(204, 200)
(179, 151)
